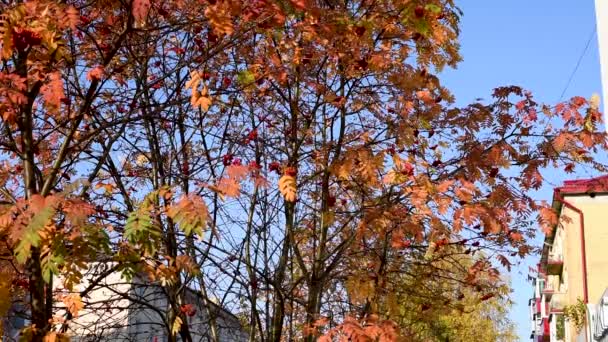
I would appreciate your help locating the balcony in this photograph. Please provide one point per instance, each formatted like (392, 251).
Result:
(555, 264)
(552, 286)
(557, 302)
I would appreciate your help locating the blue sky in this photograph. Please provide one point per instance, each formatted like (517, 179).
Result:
(536, 45)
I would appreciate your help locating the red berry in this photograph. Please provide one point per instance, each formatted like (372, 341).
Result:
(253, 165)
(212, 37)
(24, 38)
(407, 170)
(291, 171)
(419, 12)
(274, 166)
(227, 159)
(331, 201)
(188, 310)
(253, 135)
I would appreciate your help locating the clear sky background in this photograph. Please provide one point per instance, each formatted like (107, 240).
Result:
(535, 44)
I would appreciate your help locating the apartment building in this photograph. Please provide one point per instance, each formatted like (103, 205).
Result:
(135, 310)
(574, 265)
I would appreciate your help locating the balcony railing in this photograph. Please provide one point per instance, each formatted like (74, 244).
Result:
(552, 286)
(555, 264)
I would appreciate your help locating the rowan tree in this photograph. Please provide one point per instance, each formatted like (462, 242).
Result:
(286, 158)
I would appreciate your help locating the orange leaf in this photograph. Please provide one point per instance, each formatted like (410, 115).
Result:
(73, 303)
(95, 74)
(73, 17)
(52, 92)
(237, 172)
(140, 10)
(228, 187)
(287, 187)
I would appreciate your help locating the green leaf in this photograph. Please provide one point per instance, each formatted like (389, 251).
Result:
(422, 26)
(433, 8)
(30, 236)
(50, 265)
(141, 230)
(245, 77)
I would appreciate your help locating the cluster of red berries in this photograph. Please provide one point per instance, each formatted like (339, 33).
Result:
(24, 38)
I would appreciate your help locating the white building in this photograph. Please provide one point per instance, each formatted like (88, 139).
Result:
(117, 310)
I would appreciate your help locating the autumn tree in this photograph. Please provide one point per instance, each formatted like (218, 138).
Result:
(288, 159)
(444, 307)
(75, 86)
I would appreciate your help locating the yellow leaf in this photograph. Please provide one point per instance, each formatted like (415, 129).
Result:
(203, 101)
(287, 187)
(73, 303)
(177, 324)
(195, 80)
(141, 159)
(220, 20)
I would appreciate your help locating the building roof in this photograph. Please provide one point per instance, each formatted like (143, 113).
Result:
(575, 187)
(583, 186)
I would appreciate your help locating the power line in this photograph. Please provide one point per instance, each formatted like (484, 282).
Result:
(578, 63)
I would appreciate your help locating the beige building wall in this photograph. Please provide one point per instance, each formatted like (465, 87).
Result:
(572, 272)
(595, 211)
